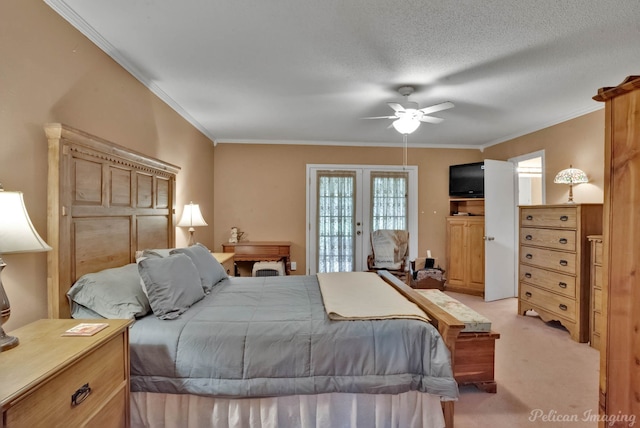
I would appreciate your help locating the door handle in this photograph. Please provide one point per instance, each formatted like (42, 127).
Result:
(488, 238)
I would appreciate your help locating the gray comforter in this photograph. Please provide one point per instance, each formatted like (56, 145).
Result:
(270, 336)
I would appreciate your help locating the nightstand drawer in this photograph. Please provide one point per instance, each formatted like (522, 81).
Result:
(552, 281)
(559, 217)
(51, 403)
(562, 306)
(549, 259)
(564, 240)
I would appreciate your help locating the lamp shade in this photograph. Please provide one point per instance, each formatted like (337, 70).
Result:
(571, 176)
(406, 125)
(191, 216)
(17, 234)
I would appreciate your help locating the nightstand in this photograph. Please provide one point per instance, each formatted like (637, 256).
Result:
(44, 381)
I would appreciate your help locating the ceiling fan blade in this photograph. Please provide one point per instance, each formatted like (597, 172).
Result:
(437, 107)
(431, 119)
(396, 107)
(380, 117)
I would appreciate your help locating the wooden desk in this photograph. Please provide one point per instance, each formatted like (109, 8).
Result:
(257, 251)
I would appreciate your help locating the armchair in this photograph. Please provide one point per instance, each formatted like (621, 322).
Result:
(390, 250)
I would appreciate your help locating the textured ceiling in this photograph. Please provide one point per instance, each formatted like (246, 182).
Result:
(307, 71)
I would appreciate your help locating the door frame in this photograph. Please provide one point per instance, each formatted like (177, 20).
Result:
(412, 206)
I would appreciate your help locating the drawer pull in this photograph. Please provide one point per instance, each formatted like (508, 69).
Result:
(528, 294)
(564, 263)
(527, 275)
(562, 306)
(529, 256)
(562, 284)
(80, 395)
(529, 217)
(564, 218)
(528, 237)
(563, 240)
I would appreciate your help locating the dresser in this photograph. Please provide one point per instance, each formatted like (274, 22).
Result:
(51, 380)
(554, 268)
(596, 315)
(620, 350)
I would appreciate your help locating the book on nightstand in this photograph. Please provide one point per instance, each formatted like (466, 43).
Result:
(85, 329)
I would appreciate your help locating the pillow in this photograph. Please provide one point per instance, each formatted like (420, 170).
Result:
(157, 253)
(173, 284)
(210, 270)
(111, 293)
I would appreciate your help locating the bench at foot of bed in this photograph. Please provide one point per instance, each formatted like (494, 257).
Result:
(474, 358)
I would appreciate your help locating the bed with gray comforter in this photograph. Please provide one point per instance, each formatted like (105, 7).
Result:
(270, 336)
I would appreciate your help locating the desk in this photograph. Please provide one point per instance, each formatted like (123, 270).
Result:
(257, 251)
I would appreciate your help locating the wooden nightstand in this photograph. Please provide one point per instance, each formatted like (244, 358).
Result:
(226, 260)
(40, 377)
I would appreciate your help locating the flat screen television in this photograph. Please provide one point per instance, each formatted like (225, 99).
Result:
(466, 180)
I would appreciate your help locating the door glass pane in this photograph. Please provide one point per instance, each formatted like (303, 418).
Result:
(389, 200)
(336, 214)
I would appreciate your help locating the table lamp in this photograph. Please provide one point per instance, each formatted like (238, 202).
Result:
(191, 217)
(571, 176)
(17, 235)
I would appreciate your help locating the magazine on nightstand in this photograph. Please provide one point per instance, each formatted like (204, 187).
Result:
(86, 329)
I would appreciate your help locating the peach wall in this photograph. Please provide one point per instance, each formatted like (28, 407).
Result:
(49, 72)
(579, 142)
(261, 189)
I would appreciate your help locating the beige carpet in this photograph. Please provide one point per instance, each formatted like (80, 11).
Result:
(544, 378)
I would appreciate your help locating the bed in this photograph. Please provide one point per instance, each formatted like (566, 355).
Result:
(107, 202)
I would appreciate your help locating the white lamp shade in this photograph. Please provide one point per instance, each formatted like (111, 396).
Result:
(17, 234)
(191, 216)
(406, 125)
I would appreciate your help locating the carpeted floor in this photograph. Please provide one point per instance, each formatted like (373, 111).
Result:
(544, 378)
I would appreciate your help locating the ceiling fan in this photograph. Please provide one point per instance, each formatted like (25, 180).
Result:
(407, 114)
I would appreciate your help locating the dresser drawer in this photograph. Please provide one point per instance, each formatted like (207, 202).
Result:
(559, 305)
(559, 239)
(549, 259)
(51, 404)
(559, 217)
(552, 281)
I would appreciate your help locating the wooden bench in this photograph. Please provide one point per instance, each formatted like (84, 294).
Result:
(474, 357)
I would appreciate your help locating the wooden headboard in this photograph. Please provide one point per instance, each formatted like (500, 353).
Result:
(104, 203)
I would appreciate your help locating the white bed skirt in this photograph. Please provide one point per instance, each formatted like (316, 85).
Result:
(407, 410)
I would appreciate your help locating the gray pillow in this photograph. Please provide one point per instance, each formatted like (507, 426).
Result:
(210, 270)
(173, 284)
(111, 293)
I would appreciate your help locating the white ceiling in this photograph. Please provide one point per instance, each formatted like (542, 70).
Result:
(307, 71)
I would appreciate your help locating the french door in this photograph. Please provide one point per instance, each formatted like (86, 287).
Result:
(346, 202)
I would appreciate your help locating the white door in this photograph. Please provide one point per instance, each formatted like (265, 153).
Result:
(500, 240)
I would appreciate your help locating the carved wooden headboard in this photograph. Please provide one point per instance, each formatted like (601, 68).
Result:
(104, 203)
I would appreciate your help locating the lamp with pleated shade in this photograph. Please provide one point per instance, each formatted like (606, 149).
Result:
(17, 235)
(191, 217)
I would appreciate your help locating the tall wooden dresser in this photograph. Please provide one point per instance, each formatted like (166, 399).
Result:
(554, 263)
(620, 350)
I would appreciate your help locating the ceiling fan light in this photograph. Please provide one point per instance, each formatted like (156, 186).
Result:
(406, 125)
